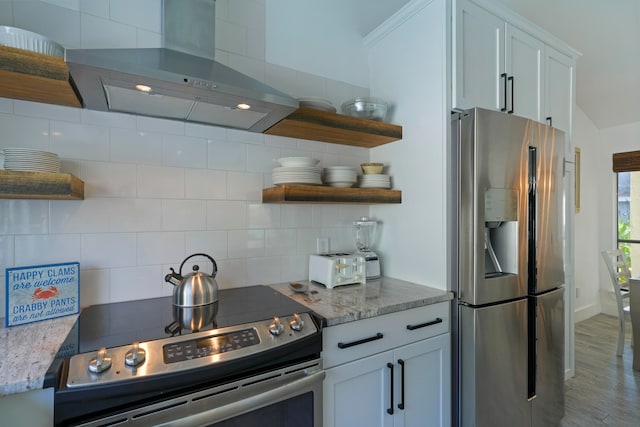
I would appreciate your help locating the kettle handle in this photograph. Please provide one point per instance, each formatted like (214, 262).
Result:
(215, 266)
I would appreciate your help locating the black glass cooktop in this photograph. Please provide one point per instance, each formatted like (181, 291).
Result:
(116, 324)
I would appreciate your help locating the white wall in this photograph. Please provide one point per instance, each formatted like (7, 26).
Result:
(157, 191)
(587, 259)
(409, 67)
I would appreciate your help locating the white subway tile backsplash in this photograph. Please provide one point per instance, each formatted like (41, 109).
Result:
(6, 104)
(229, 215)
(205, 184)
(212, 243)
(26, 132)
(232, 273)
(112, 120)
(264, 215)
(95, 286)
(296, 216)
(184, 215)
(261, 158)
(244, 136)
(160, 247)
(263, 270)
(225, 155)
(246, 243)
(184, 151)
(144, 14)
(104, 179)
(150, 124)
(207, 132)
(95, 7)
(99, 33)
(126, 215)
(244, 186)
(57, 23)
(294, 268)
(137, 283)
(281, 242)
(82, 216)
(160, 182)
(68, 4)
(134, 146)
(24, 217)
(46, 249)
(108, 250)
(80, 141)
(47, 111)
(307, 240)
(283, 142)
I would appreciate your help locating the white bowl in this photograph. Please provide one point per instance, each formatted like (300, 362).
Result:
(23, 39)
(297, 161)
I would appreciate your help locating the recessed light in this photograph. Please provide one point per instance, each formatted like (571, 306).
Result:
(143, 88)
(243, 106)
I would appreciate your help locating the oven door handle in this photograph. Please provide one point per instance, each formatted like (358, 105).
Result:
(249, 403)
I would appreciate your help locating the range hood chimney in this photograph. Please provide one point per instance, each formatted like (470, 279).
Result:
(179, 81)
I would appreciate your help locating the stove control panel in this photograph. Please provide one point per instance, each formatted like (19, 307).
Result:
(178, 353)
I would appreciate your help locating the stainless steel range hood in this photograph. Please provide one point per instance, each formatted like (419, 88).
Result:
(180, 81)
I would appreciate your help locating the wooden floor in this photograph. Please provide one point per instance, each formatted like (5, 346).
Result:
(605, 390)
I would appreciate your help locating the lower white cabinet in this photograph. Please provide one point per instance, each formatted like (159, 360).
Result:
(408, 385)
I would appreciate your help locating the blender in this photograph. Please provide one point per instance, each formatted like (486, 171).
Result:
(364, 233)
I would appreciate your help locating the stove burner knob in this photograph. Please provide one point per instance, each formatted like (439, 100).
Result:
(135, 356)
(276, 327)
(101, 362)
(296, 323)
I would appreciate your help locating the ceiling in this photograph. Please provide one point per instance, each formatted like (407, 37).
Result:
(607, 33)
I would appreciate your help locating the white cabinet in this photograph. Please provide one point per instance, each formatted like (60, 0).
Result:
(559, 89)
(478, 58)
(391, 370)
(500, 65)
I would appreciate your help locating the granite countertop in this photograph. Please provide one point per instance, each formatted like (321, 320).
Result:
(26, 352)
(361, 301)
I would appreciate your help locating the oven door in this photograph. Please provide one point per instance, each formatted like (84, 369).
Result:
(288, 397)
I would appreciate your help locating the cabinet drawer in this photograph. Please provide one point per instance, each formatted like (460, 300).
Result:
(354, 340)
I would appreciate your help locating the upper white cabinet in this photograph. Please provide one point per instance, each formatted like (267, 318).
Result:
(559, 89)
(506, 66)
(478, 69)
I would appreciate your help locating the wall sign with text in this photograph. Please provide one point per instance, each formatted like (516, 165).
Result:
(42, 292)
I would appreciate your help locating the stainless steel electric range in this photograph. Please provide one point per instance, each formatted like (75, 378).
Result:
(253, 360)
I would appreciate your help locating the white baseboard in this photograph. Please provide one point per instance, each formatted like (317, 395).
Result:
(583, 313)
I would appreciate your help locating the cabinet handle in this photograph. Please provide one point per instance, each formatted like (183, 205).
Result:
(362, 341)
(512, 90)
(401, 404)
(550, 121)
(390, 409)
(422, 325)
(504, 76)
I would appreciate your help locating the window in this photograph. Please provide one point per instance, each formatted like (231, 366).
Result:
(627, 167)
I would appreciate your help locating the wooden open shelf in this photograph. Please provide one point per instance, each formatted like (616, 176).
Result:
(40, 185)
(293, 193)
(35, 77)
(316, 125)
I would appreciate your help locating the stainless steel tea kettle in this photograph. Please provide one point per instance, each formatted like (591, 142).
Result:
(194, 289)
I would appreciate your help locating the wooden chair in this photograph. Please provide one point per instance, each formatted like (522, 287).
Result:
(620, 275)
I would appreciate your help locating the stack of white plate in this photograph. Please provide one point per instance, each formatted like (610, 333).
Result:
(340, 176)
(26, 159)
(374, 181)
(309, 175)
(297, 161)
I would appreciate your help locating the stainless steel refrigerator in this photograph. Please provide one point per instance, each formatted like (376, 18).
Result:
(507, 270)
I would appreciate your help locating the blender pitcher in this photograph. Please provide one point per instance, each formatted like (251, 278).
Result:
(364, 233)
